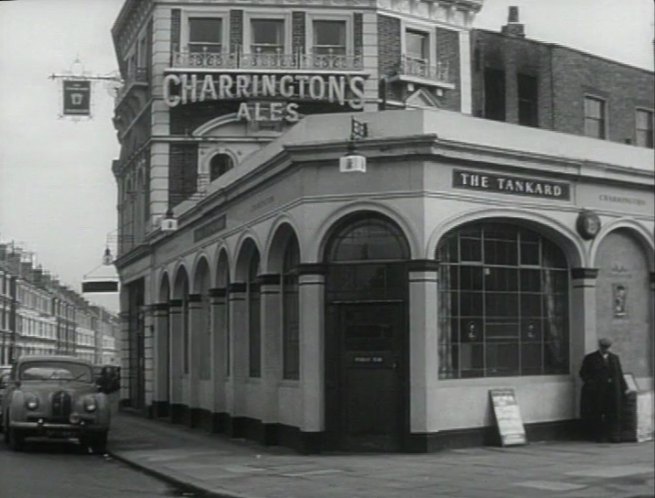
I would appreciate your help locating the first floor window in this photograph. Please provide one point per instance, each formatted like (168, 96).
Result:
(267, 36)
(594, 117)
(416, 46)
(503, 303)
(644, 128)
(329, 37)
(205, 34)
(528, 99)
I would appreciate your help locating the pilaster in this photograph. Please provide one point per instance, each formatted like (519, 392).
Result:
(235, 390)
(423, 345)
(271, 322)
(311, 289)
(175, 317)
(218, 345)
(583, 319)
(161, 357)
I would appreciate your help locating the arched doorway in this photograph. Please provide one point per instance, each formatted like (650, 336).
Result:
(623, 300)
(366, 339)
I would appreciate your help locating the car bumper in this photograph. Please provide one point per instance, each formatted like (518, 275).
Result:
(48, 428)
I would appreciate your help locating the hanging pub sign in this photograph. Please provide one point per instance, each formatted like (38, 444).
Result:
(77, 98)
(96, 286)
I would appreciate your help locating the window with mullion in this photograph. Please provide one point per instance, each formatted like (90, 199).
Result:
(594, 117)
(205, 34)
(644, 128)
(329, 37)
(267, 36)
(507, 315)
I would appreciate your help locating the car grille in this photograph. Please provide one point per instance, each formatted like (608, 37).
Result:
(61, 405)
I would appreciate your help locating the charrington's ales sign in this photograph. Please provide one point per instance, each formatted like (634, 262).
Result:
(184, 88)
(507, 184)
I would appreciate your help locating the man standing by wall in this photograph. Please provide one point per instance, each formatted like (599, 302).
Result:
(602, 393)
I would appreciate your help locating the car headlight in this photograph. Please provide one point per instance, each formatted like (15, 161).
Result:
(90, 404)
(31, 402)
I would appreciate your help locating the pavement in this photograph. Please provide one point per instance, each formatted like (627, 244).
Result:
(216, 465)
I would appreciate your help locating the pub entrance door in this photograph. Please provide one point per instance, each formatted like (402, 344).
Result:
(368, 409)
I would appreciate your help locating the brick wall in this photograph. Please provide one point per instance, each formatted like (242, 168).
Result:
(514, 56)
(388, 44)
(183, 172)
(298, 31)
(236, 30)
(624, 87)
(448, 52)
(564, 76)
(389, 52)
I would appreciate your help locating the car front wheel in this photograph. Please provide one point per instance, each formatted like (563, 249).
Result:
(15, 439)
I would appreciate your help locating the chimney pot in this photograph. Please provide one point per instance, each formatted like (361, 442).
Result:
(513, 14)
(513, 27)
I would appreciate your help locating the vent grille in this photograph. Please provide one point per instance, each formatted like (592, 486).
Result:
(61, 405)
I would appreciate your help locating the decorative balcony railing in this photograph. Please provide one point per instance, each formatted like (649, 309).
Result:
(138, 75)
(295, 61)
(420, 68)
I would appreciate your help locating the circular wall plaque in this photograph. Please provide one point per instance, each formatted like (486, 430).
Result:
(588, 224)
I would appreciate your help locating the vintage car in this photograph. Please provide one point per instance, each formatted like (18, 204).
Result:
(5, 370)
(55, 397)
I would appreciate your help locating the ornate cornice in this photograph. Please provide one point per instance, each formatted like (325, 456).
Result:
(459, 13)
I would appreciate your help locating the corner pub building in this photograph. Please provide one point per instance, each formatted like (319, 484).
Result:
(269, 293)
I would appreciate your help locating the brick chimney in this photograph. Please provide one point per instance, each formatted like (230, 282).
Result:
(513, 27)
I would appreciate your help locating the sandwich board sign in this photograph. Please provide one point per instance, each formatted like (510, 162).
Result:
(508, 417)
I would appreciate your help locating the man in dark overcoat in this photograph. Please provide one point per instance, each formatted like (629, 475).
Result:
(602, 393)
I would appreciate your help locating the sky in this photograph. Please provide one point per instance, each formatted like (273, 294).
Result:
(57, 192)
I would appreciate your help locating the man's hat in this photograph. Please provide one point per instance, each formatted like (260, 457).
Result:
(604, 342)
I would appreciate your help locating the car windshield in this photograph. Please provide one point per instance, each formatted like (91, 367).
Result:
(52, 370)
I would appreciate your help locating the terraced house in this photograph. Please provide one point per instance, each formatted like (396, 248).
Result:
(331, 237)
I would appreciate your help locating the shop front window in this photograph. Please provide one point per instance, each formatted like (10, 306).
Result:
(503, 303)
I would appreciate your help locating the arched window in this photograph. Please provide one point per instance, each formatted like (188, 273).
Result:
(290, 311)
(219, 165)
(254, 332)
(503, 303)
(363, 257)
